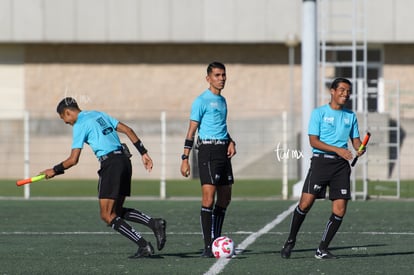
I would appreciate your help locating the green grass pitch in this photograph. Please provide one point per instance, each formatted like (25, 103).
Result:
(59, 231)
(61, 187)
(42, 236)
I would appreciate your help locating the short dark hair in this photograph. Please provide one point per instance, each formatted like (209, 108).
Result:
(67, 103)
(338, 80)
(213, 65)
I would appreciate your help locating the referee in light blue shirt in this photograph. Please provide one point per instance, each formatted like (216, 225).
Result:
(215, 150)
(330, 128)
(99, 131)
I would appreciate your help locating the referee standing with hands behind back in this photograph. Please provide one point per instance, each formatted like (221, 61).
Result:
(215, 150)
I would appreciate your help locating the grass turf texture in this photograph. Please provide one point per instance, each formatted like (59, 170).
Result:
(67, 237)
(180, 188)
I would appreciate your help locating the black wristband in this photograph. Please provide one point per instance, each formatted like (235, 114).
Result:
(140, 147)
(59, 169)
(188, 144)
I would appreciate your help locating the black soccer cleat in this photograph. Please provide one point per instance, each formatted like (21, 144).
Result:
(287, 249)
(143, 252)
(160, 226)
(324, 254)
(207, 253)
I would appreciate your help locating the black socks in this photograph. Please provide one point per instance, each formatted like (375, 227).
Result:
(218, 219)
(330, 230)
(126, 230)
(211, 223)
(297, 220)
(206, 225)
(134, 215)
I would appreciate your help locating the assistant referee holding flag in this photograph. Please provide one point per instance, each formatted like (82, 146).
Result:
(215, 150)
(331, 126)
(99, 131)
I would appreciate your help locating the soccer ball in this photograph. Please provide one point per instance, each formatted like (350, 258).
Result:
(223, 247)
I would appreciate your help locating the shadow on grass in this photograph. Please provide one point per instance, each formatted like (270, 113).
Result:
(360, 251)
(197, 255)
(185, 255)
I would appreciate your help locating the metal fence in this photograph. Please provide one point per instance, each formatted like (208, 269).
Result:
(34, 142)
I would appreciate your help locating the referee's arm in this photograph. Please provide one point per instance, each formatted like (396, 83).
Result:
(188, 144)
(316, 143)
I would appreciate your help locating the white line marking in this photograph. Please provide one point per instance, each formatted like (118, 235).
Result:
(382, 233)
(5, 233)
(57, 233)
(222, 262)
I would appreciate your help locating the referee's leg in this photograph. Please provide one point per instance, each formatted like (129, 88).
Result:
(206, 217)
(333, 224)
(219, 212)
(157, 225)
(298, 216)
(108, 215)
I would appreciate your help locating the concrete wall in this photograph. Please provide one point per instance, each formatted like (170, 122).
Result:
(156, 77)
(12, 90)
(184, 21)
(145, 21)
(136, 82)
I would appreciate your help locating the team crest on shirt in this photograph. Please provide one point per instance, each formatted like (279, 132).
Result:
(346, 121)
(329, 120)
(214, 104)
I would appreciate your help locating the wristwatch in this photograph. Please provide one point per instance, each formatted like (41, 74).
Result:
(183, 156)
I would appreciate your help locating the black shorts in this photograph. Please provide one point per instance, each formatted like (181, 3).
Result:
(333, 172)
(214, 164)
(115, 177)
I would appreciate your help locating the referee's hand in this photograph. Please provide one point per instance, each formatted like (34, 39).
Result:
(147, 161)
(345, 154)
(231, 149)
(49, 173)
(185, 168)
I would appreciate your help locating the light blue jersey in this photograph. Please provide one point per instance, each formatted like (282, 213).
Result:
(210, 111)
(333, 127)
(98, 130)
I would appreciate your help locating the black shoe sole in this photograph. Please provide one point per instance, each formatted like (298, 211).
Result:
(161, 243)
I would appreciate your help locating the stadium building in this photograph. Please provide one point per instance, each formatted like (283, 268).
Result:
(144, 61)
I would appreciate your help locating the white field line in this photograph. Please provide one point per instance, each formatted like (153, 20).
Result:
(222, 262)
(27, 233)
